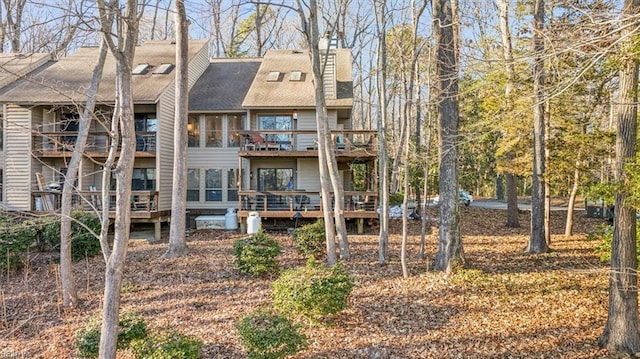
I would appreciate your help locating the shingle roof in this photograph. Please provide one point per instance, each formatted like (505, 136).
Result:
(223, 85)
(13, 66)
(298, 94)
(68, 79)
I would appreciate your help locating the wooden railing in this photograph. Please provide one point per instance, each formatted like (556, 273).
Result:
(300, 200)
(97, 142)
(50, 201)
(306, 140)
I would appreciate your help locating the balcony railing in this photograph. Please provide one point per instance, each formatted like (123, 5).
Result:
(50, 201)
(345, 141)
(303, 201)
(61, 143)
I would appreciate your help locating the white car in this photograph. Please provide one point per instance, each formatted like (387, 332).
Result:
(463, 196)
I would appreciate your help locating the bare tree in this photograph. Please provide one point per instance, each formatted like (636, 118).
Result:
(330, 180)
(177, 236)
(69, 293)
(507, 51)
(622, 331)
(450, 253)
(122, 45)
(383, 176)
(537, 240)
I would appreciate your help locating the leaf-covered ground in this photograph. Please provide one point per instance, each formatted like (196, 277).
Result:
(505, 304)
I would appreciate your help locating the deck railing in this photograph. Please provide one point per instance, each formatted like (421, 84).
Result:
(307, 140)
(299, 200)
(97, 142)
(50, 201)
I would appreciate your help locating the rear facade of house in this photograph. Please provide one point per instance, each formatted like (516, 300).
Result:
(251, 135)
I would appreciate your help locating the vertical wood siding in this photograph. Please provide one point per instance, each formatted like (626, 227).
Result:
(18, 172)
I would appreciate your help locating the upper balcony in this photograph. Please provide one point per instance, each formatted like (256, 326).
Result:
(348, 144)
(61, 144)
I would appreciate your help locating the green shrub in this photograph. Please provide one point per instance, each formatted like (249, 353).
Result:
(396, 199)
(167, 345)
(311, 239)
(83, 242)
(313, 291)
(256, 255)
(268, 335)
(604, 234)
(15, 241)
(131, 326)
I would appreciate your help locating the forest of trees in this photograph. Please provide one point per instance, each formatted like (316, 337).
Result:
(515, 98)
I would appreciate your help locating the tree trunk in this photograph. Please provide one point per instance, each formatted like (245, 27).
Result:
(568, 229)
(507, 50)
(328, 167)
(537, 242)
(177, 235)
(69, 292)
(450, 252)
(123, 53)
(383, 176)
(621, 333)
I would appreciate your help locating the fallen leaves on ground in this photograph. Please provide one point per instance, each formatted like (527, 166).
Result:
(504, 304)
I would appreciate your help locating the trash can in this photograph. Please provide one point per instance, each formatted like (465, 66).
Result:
(253, 223)
(231, 220)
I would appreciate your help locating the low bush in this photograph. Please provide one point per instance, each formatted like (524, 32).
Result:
(396, 199)
(15, 241)
(604, 235)
(268, 335)
(311, 239)
(131, 326)
(313, 291)
(167, 345)
(83, 242)
(256, 255)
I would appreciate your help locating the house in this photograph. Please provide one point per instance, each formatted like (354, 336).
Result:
(251, 130)
(41, 123)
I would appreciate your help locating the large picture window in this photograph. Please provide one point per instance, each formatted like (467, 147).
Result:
(235, 125)
(213, 185)
(232, 185)
(274, 179)
(146, 122)
(277, 123)
(193, 131)
(193, 185)
(214, 130)
(143, 179)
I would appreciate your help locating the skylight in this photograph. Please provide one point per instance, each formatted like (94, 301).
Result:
(163, 69)
(141, 69)
(273, 76)
(296, 76)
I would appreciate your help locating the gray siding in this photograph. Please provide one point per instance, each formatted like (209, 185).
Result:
(18, 174)
(309, 178)
(212, 158)
(164, 164)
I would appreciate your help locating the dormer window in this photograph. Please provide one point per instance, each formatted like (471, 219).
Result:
(141, 69)
(296, 76)
(163, 69)
(273, 76)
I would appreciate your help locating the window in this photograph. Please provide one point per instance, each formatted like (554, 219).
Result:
(193, 130)
(235, 125)
(163, 69)
(274, 179)
(277, 123)
(146, 122)
(213, 185)
(143, 179)
(214, 130)
(193, 185)
(232, 185)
